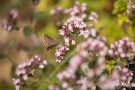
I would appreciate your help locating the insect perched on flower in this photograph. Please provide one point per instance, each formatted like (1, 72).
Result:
(49, 42)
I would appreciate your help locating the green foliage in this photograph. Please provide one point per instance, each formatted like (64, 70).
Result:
(38, 50)
(110, 65)
(49, 29)
(38, 16)
(27, 31)
(32, 82)
(122, 19)
(10, 44)
(120, 6)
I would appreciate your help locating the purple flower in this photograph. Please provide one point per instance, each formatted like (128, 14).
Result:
(11, 22)
(121, 48)
(24, 70)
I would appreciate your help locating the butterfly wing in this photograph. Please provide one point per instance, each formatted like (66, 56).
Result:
(49, 42)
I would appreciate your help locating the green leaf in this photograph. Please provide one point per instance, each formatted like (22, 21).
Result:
(10, 44)
(111, 62)
(38, 50)
(122, 19)
(32, 82)
(120, 6)
(38, 16)
(110, 65)
(37, 73)
(27, 31)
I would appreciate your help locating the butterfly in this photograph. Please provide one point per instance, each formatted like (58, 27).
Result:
(49, 42)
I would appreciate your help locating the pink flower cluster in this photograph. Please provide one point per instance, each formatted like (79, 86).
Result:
(93, 47)
(75, 26)
(120, 78)
(130, 9)
(109, 82)
(93, 16)
(58, 13)
(71, 27)
(11, 22)
(121, 48)
(90, 60)
(60, 52)
(25, 70)
(131, 59)
(69, 72)
(86, 80)
(78, 10)
(125, 77)
(57, 10)
(92, 73)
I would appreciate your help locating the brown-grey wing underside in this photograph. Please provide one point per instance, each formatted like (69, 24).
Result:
(49, 42)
